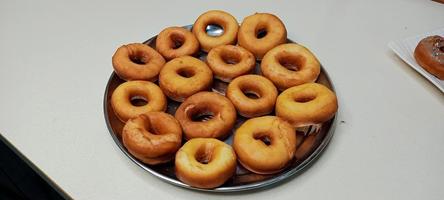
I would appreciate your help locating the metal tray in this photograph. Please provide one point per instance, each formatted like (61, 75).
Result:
(319, 136)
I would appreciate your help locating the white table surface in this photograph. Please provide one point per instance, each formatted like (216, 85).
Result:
(55, 60)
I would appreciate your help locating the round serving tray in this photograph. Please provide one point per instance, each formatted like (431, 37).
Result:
(312, 140)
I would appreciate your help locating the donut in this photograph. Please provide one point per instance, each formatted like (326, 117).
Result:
(261, 32)
(265, 145)
(137, 62)
(306, 104)
(206, 115)
(174, 42)
(124, 95)
(430, 55)
(152, 137)
(288, 65)
(263, 91)
(184, 76)
(215, 17)
(228, 62)
(205, 163)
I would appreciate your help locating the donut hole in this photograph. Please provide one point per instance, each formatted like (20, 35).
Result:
(138, 100)
(251, 94)
(177, 41)
(441, 49)
(292, 63)
(200, 113)
(214, 30)
(304, 98)
(202, 117)
(230, 58)
(186, 73)
(263, 138)
(139, 58)
(204, 154)
(261, 33)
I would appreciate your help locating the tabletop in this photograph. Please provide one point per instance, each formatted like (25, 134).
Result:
(55, 61)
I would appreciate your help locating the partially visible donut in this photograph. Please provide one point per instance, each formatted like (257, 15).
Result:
(430, 55)
(137, 62)
(183, 77)
(263, 92)
(228, 62)
(174, 42)
(207, 115)
(265, 145)
(205, 163)
(261, 32)
(306, 104)
(153, 137)
(289, 65)
(125, 93)
(215, 17)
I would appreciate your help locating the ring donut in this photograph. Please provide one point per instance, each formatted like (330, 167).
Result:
(228, 62)
(306, 104)
(184, 76)
(288, 65)
(194, 112)
(150, 93)
(261, 32)
(205, 163)
(430, 55)
(262, 89)
(153, 137)
(265, 145)
(174, 42)
(137, 62)
(215, 17)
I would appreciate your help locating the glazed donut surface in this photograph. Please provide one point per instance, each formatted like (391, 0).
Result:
(261, 32)
(221, 110)
(260, 87)
(306, 104)
(265, 145)
(184, 76)
(288, 65)
(145, 90)
(215, 17)
(228, 62)
(205, 163)
(153, 137)
(137, 62)
(174, 42)
(430, 55)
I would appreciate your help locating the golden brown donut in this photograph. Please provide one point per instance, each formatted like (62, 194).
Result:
(229, 62)
(184, 76)
(258, 86)
(306, 104)
(215, 17)
(288, 65)
(205, 163)
(153, 137)
(261, 32)
(265, 145)
(128, 91)
(174, 42)
(137, 62)
(218, 108)
(430, 55)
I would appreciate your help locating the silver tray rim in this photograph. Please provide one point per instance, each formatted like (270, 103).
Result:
(240, 188)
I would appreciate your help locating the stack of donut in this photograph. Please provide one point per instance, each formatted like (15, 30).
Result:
(263, 144)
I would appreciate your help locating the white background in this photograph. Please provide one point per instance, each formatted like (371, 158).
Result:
(55, 60)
